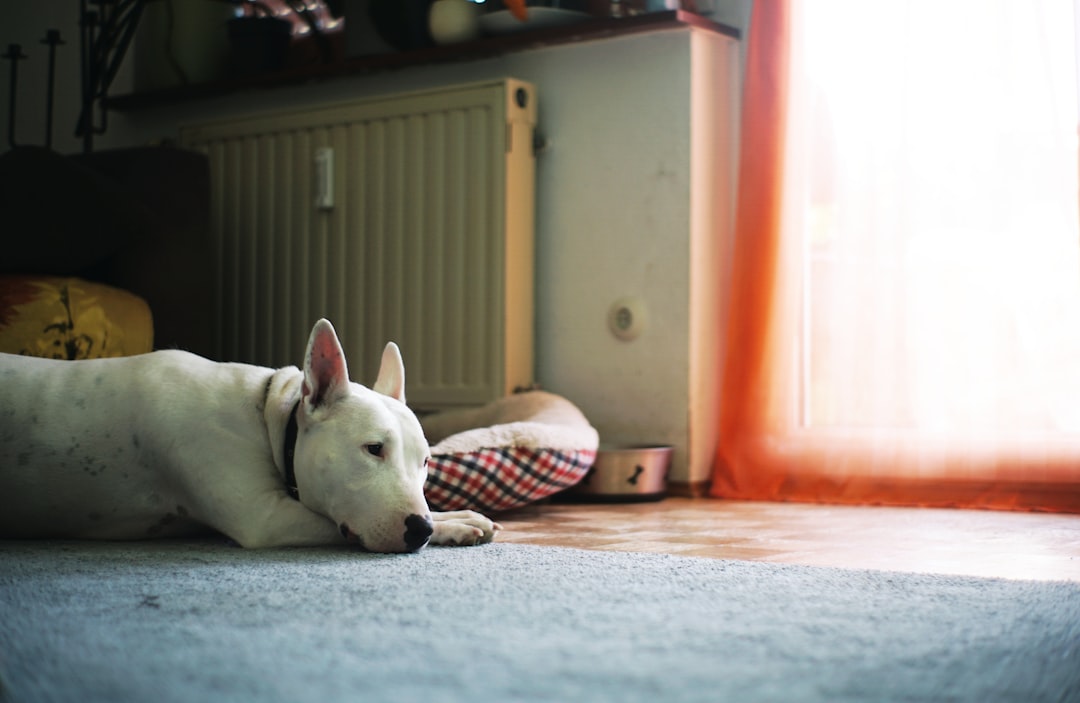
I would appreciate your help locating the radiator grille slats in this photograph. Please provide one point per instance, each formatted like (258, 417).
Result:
(415, 249)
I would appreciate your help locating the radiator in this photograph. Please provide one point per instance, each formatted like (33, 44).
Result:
(406, 218)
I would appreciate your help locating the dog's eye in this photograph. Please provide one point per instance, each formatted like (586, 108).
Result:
(374, 449)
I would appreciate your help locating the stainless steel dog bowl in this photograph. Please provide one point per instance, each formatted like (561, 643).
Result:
(625, 475)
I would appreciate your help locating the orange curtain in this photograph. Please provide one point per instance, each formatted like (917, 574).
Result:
(903, 319)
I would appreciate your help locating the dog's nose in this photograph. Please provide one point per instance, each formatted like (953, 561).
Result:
(418, 529)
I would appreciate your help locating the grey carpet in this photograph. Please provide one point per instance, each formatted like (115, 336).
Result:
(204, 621)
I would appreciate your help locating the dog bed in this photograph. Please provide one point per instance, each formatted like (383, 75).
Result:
(508, 453)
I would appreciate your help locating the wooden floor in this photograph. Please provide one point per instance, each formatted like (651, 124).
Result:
(1034, 546)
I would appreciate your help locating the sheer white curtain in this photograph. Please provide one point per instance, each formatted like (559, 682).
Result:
(936, 158)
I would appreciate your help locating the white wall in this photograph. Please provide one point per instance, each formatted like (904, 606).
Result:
(615, 215)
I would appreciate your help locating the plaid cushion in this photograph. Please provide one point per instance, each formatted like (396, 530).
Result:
(501, 478)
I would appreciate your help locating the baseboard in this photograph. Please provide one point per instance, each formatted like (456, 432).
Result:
(689, 489)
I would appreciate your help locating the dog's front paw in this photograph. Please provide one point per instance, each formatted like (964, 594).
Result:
(462, 528)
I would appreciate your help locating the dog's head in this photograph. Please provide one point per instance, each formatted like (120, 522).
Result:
(361, 455)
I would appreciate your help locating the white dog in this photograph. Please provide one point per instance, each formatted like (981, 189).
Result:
(167, 443)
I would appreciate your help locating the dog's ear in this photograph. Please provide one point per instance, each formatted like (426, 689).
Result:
(391, 380)
(326, 377)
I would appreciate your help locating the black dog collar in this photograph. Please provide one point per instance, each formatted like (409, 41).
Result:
(291, 430)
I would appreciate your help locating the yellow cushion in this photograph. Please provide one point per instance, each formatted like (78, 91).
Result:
(69, 318)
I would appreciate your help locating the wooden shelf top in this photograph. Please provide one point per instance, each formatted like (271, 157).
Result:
(485, 47)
